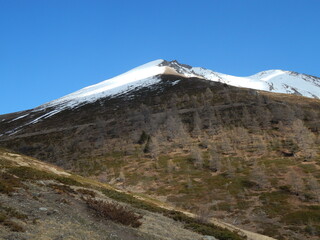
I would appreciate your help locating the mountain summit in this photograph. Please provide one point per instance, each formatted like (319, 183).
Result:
(153, 73)
(278, 81)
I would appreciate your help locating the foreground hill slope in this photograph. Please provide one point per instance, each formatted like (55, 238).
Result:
(41, 201)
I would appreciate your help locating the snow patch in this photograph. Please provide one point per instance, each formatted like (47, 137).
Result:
(175, 82)
(17, 118)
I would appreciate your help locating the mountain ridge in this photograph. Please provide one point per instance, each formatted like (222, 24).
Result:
(148, 75)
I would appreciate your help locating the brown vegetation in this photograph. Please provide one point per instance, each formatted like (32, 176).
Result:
(114, 212)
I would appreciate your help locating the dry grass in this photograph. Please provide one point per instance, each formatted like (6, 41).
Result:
(114, 212)
(8, 183)
(86, 192)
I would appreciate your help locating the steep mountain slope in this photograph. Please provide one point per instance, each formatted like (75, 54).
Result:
(149, 74)
(202, 145)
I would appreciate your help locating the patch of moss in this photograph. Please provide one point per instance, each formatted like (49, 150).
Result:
(275, 203)
(3, 217)
(309, 168)
(243, 205)
(68, 181)
(209, 229)
(5, 163)
(224, 206)
(302, 217)
(28, 173)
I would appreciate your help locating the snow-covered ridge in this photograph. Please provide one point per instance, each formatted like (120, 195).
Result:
(141, 76)
(148, 74)
(278, 81)
(273, 80)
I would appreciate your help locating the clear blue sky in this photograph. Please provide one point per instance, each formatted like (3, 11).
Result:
(49, 48)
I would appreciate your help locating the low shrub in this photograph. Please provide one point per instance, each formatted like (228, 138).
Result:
(313, 230)
(3, 217)
(86, 192)
(114, 212)
(8, 212)
(15, 227)
(8, 183)
(62, 189)
(249, 184)
(143, 138)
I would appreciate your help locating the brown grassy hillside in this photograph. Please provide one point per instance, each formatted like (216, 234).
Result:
(248, 157)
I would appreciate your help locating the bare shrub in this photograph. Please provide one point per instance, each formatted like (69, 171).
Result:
(259, 176)
(203, 213)
(15, 227)
(86, 192)
(114, 212)
(296, 183)
(196, 156)
(314, 187)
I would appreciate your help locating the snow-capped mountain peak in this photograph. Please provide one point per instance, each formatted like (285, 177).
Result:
(148, 74)
(144, 75)
(151, 73)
